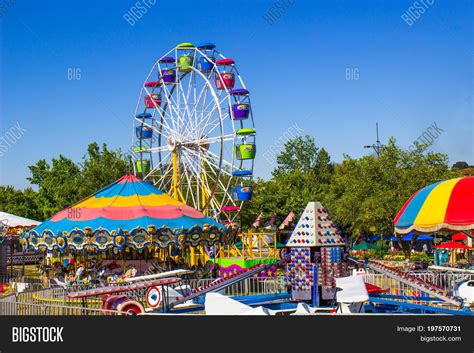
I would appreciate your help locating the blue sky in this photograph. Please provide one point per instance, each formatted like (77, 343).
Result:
(295, 68)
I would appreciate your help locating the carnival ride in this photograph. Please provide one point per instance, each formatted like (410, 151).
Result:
(128, 217)
(194, 133)
(250, 249)
(120, 297)
(194, 138)
(11, 252)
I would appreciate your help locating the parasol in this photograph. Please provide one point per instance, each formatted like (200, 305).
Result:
(451, 245)
(443, 206)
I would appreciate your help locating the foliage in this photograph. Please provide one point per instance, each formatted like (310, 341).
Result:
(460, 165)
(415, 257)
(24, 203)
(301, 173)
(363, 194)
(100, 168)
(58, 184)
(366, 193)
(421, 257)
(63, 182)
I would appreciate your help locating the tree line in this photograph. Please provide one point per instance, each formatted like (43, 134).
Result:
(363, 194)
(62, 182)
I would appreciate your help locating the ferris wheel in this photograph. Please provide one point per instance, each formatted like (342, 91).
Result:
(194, 132)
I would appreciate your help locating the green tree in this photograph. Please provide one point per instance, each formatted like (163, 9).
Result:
(23, 203)
(58, 184)
(298, 154)
(366, 193)
(460, 165)
(302, 173)
(100, 168)
(64, 183)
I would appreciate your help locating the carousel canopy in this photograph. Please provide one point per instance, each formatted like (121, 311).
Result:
(127, 212)
(443, 206)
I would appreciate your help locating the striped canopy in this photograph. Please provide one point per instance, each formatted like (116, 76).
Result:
(126, 212)
(443, 206)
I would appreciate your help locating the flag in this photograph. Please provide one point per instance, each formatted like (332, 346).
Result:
(287, 220)
(256, 223)
(270, 222)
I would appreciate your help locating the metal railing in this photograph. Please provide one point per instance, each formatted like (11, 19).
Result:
(35, 299)
(13, 307)
(248, 286)
(16, 276)
(447, 281)
(57, 296)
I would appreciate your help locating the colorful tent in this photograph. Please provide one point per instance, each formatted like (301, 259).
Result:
(11, 225)
(445, 205)
(17, 221)
(409, 237)
(374, 238)
(452, 245)
(128, 212)
(364, 246)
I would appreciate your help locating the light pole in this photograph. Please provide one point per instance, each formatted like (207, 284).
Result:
(377, 145)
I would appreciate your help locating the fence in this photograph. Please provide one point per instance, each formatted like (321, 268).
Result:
(10, 306)
(16, 276)
(249, 286)
(447, 281)
(36, 300)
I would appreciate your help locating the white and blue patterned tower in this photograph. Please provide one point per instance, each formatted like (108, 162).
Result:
(315, 229)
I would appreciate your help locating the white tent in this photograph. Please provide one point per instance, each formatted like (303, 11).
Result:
(16, 221)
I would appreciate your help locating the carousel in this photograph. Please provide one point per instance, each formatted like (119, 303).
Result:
(129, 222)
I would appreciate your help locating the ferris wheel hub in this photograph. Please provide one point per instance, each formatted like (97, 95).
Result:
(172, 143)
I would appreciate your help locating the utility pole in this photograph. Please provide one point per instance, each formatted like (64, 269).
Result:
(377, 145)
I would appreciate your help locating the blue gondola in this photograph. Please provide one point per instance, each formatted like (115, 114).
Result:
(241, 173)
(242, 193)
(206, 65)
(144, 132)
(144, 115)
(206, 46)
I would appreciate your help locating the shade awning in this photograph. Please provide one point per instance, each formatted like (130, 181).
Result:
(364, 246)
(447, 205)
(452, 245)
(16, 221)
(459, 237)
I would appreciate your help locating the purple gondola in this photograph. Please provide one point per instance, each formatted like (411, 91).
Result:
(241, 109)
(168, 76)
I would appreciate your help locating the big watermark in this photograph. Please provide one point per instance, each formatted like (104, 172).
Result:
(272, 151)
(427, 137)
(416, 10)
(10, 138)
(137, 11)
(277, 10)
